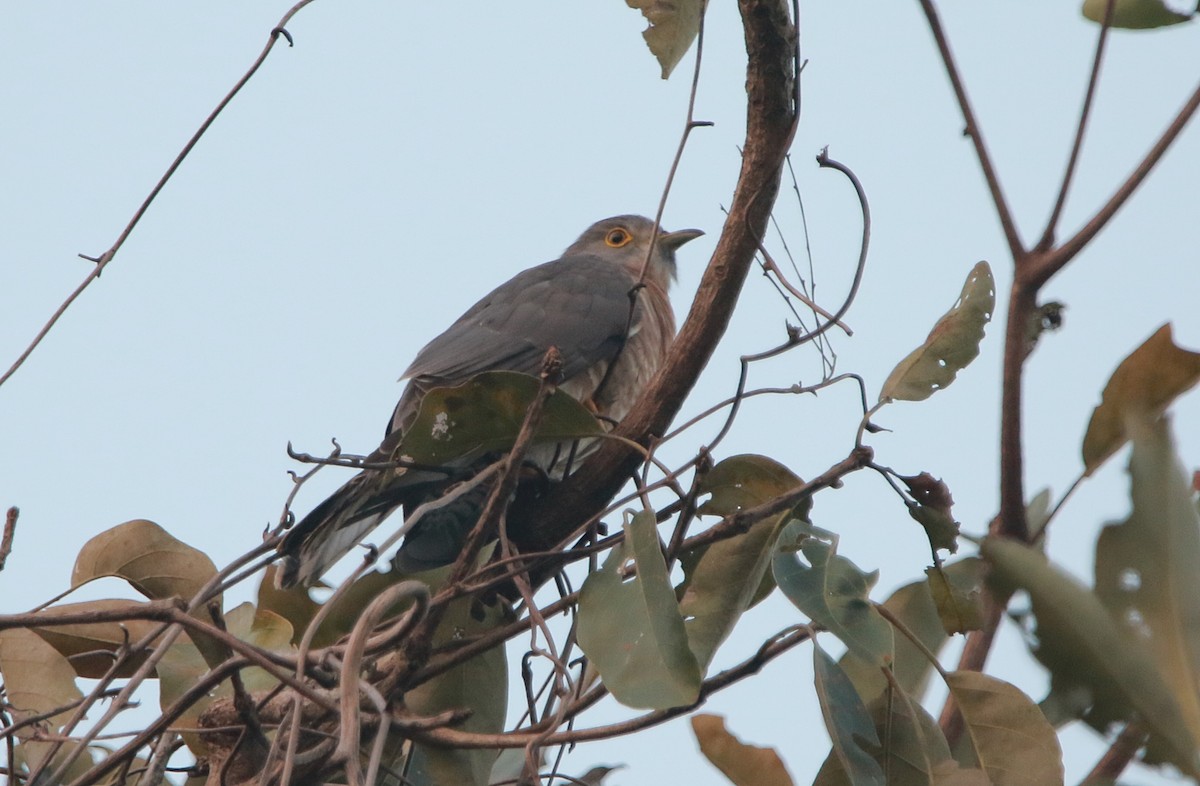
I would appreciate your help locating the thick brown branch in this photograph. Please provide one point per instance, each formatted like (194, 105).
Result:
(770, 44)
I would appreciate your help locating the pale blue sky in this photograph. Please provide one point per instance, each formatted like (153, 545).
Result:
(402, 159)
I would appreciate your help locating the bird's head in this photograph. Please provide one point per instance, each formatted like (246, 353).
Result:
(624, 240)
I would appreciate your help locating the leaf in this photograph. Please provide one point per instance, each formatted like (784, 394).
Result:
(485, 414)
(674, 24)
(912, 747)
(293, 604)
(913, 605)
(958, 592)
(1084, 649)
(37, 680)
(847, 721)
(479, 684)
(1013, 741)
(1146, 567)
(1139, 391)
(832, 591)
(932, 510)
(951, 345)
(631, 628)
(154, 562)
(742, 764)
(1134, 14)
(182, 666)
(84, 644)
(727, 577)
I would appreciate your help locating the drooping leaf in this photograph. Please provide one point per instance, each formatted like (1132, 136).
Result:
(1083, 647)
(951, 345)
(1138, 392)
(631, 628)
(912, 747)
(727, 577)
(479, 684)
(832, 591)
(1135, 14)
(485, 414)
(847, 721)
(913, 605)
(742, 764)
(674, 24)
(37, 680)
(958, 592)
(1146, 567)
(933, 510)
(154, 562)
(85, 644)
(1013, 741)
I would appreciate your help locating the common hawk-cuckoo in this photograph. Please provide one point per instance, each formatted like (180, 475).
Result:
(581, 305)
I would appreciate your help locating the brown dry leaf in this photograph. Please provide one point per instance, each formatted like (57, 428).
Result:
(744, 765)
(85, 644)
(147, 556)
(1139, 391)
(674, 25)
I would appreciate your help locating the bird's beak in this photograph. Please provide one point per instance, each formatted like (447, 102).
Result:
(673, 240)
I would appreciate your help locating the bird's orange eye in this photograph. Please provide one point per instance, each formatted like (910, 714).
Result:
(617, 237)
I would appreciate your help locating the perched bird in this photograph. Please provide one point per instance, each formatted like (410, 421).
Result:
(610, 344)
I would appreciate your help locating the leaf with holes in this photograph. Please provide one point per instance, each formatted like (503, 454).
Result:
(674, 25)
(951, 345)
(631, 629)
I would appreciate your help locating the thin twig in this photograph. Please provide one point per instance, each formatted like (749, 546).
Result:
(10, 530)
(102, 261)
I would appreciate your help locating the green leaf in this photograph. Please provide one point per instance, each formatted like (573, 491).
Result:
(1146, 567)
(832, 591)
(958, 592)
(631, 628)
(674, 24)
(153, 561)
(912, 747)
(1083, 647)
(951, 345)
(87, 645)
(485, 414)
(1013, 741)
(1139, 391)
(479, 684)
(848, 722)
(294, 604)
(1134, 14)
(727, 577)
(742, 764)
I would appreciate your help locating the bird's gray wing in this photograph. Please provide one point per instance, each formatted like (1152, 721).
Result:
(578, 304)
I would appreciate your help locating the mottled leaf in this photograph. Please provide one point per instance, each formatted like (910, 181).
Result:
(674, 24)
(847, 721)
(1134, 14)
(727, 577)
(1139, 391)
(1083, 647)
(742, 764)
(84, 644)
(485, 414)
(153, 561)
(951, 345)
(832, 590)
(1013, 741)
(958, 592)
(631, 629)
(1146, 567)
